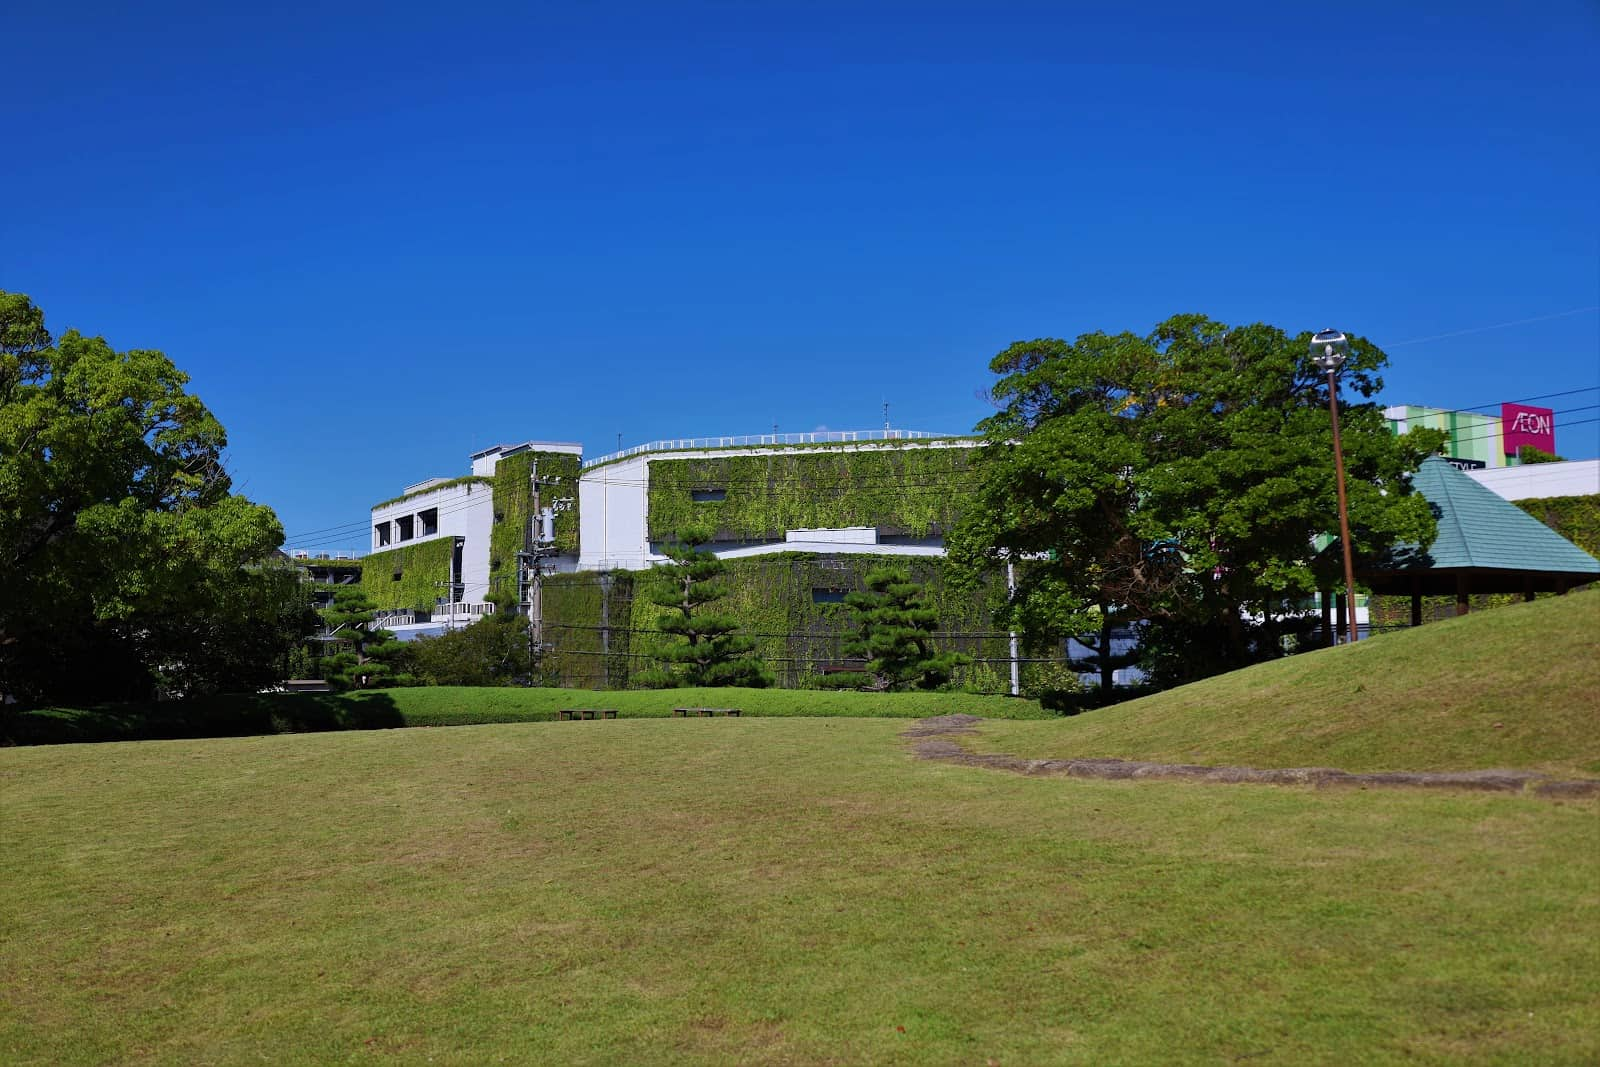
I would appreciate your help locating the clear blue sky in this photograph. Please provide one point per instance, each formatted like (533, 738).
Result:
(380, 238)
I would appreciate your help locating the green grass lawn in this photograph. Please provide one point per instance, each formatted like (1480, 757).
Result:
(1517, 687)
(775, 890)
(236, 715)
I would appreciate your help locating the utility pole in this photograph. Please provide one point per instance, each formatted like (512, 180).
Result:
(538, 545)
(450, 602)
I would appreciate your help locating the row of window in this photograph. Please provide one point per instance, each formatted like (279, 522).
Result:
(406, 527)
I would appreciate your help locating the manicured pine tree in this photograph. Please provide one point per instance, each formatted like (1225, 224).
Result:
(896, 634)
(701, 648)
(371, 657)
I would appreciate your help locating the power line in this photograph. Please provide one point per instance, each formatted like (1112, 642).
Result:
(1564, 424)
(1474, 409)
(1496, 326)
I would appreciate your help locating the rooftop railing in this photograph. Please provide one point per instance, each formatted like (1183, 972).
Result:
(816, 437)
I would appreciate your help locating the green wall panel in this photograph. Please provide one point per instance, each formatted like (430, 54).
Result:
(420, 566)
(900, 490)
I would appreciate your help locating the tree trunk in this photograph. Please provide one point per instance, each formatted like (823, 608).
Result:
(1105, 653)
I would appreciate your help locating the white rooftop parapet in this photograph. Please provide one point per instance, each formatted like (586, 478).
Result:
(1528, 481)
(817, 437)
(426, 483)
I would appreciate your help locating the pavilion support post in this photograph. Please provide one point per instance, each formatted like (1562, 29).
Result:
(1463, 595)
(1416, 602)
(1561, 587)
(1527, 589)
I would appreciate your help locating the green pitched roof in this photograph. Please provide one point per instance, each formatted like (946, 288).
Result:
(1480, 528)
(1481, 531)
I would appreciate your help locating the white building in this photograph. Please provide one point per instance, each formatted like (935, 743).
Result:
(461, 511)
(614, 498)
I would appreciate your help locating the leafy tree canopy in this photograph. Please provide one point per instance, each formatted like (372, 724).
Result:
(491, 651)
(127, 564)
(1535, 454)
(1184, 477)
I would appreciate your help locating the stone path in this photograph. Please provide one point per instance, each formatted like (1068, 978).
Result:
(937, 739)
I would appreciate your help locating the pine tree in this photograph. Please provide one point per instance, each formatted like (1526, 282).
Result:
(896, 634)
(702, 648)
(372, 656)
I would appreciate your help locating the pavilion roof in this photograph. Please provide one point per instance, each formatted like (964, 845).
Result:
(1481, 534)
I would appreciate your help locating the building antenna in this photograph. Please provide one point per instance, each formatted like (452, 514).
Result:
(885, 414)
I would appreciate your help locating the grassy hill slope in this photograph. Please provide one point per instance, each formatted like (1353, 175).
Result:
(1517, 687)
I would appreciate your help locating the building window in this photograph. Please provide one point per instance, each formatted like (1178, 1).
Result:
(405, 525)
(429, 520)
(828, 596)
(708, 496)
(396, 577)
(380, 534)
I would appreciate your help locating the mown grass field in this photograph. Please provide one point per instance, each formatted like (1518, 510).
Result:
(1516, 687)
(774, 890)
(242, 715)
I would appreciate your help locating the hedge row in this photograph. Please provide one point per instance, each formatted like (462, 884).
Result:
(281, 713)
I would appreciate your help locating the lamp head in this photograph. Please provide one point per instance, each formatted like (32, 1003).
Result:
(1329, 349)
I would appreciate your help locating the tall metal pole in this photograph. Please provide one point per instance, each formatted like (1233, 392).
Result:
(1016, 670)
(1344, 508)
(536, 597)
(536, 586)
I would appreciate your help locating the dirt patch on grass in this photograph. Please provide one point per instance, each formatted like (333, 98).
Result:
(938, 739)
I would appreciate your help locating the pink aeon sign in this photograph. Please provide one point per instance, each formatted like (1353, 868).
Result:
(1521, 425)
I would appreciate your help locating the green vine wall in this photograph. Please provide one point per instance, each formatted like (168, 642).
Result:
(420, 566)
(576, 609)
(513, 508)
(771, 596)
(907, 491)
(1577, 518)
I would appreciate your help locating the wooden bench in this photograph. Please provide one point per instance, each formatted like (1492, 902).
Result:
(587, 713)
(684, 713)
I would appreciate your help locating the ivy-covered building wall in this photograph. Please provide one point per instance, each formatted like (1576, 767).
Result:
(1577, 518)
(408, 578)
(912, 490)
(588, 619)
(513, 511)
(789, 602)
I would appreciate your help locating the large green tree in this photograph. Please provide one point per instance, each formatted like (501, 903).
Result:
(491, 651)
(1181, 479)
(894, 634)
(701, 646)
(127, 564)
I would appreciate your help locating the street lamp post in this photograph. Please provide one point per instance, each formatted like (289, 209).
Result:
(1328, 351)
